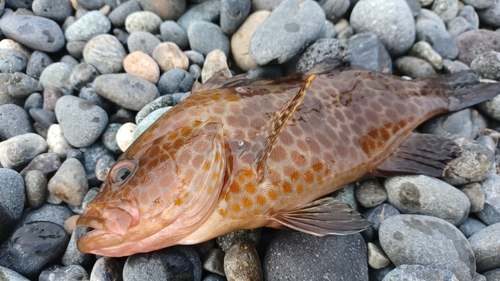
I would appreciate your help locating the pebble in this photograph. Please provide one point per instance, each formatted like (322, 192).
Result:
(325, 48)
(267, 5)
(33, 101)
(125, 135)
(370, 194)
(165, 264)
(458, 26)
(38, 33)
(50, 97)
(91, 155)
(205, 37)
(366, 50)
(143, 21)
(300, 256)
(175, 81)
(438, 37)
(150, 119)
(14, 121)
(142, 41)
(142, 65)
(346, 195)
(479, 4)
(490, 15)
(485, 245)
(241, 262)
(90, 25)
(215, 62)
(18, 85)
(35, 245)
(36, 188)
(106, 269)
(62, 273)
(468, 50)
(420, 272)
(160, 102)
(470, 15)
(57, 142)
(69, 182)
(9, 274)
(452, 126)
(473, 165)
(415, 67)
(394, 23)
(491, 211)
(233, 13)
(335, 9)
(226, 241)
(445, 9)
(213, 261)
(105, 53)
(378, 214)
(45, 163)
(57, 214)
(126, 90)
(487, 65)
(240, 41)
(82, 75)
(207, 11)
(57, 10)
(119, 14)
(12, 194)
(72, 255)
(81, 122)
(57, 75)
(425, 51)
(172, 32)
(109, 137)
(21, 149)
(425, 240)
(170, 56)
(195, 71)
(12, 61)
(37, 62)
(376, 257)
(167, 10)
(283, 35)
(103, 166)
(471, 226)
(70, 223)
(476, 196)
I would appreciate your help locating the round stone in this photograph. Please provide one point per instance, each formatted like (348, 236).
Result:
(11, 275)
(233, 13)
(434, 32)
(106, 268)
(36, 188)
(103, 166)
(82, 75)
(242, 262)
(20, 150)
(119, 14)
(471, 226)
(160, 102)
(453, 125)
(125, 135)
(143, 21)
(57, 75)
(469, 50)
(215, 62)
(18, 85)
(105, 53)
(476, 196)
(213, 262)
(415, 67)
(376, 257)
(370, 194)
(57, 142)
(45, 163)
(172, 32)
(109, 137)
(175, 81)
(69, 183)
(207, 11)
(60, 273)
(490, 15)
(335, 9)
(445, 9)
(425, 51)
(57, 10)
(479, 4)
(170, 56)
(491, 210)
(72, 255)
(167, 10)
(487, 65)
(142, 41)
(205, 37)
(12, 61)
(378, 214)
(142, 65)
(12, 194)
(37, 62)
(90, 25)
(146, 122)
(14, 121)
(419, 272)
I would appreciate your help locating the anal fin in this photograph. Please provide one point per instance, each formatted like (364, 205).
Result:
(420, 154)
(323, 217)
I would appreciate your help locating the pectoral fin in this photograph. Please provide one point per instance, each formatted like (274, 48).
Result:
(322, 217)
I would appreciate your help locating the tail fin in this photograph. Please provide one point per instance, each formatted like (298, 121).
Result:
(464, 89)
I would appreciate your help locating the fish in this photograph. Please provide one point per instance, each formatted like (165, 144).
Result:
(247, 153)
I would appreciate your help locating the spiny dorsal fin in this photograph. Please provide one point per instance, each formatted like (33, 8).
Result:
(262, 143)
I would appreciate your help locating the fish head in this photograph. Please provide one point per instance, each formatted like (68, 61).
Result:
(159, 191)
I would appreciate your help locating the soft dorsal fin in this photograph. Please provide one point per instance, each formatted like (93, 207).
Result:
(420, 154)
(262, 143)
(323, 217)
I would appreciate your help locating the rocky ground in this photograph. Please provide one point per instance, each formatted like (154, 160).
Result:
(81, 79)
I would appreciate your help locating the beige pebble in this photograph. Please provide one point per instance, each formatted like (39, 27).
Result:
(125, 135)
(242, 263)
(142, 65)
(105, 10)
(143, 21)
(376, 257)
(57, 142)
(70, 224)
(169, 56)
(214, 62)
(240, 41)
(425, 51)
(13, 45)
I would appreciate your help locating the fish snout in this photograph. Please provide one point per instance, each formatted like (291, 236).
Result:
(112, 218)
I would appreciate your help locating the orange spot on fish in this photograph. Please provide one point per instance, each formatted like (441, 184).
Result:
(300, 188)
(247, 173)
(294, 176)
(250, 187)
(236, 208)
(185, 131)
(206, 166)
(272, 195)
(225, 196)
(222, 212)
(256, 212)
(173, 136)
(178, 202)
(247, 202)
(234, 187)
(287, 187)
(385, 135)
(317, 167)
(261, 200)
(309, 177)
(153, 164)
(215, 176)
(217, 156)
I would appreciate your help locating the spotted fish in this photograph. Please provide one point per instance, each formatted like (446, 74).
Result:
(245, 153)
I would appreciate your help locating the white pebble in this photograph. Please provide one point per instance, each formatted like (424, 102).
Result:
(57, 142)
(125, 135)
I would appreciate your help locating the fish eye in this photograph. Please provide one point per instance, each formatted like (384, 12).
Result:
(121, 171)
(122, 174)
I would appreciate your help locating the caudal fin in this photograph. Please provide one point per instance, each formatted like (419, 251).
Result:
(464, 89)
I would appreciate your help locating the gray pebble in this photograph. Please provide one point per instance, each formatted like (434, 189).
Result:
(91, 24)
(69, 60)
(90, 4)
(143, 21)
(489, 275)
(63, 273)
(91, 95)
(91, 155)
(419, 272)
(452, 126)
(417, 239)
(233, 13)
(142, 41)
(35, 32)
(267, 71)
(471, 226)
(335, 9)
(171, 31)
(491, 16)
(470, 15)
(213, 277)
(378, 214)
(57, 75)
(126, 90)
(476, 196)
(34, 100)
(44, 118)
(103, 166)
(109, 137)
(45, 163)
(69, 182)
(491, 211)
(346, 195)
(207, 11)
(487, 65)
(36, 188)
(57, 214)
(160, 102)
(76, 48)
(327, 31)
(18, 85)
(450, 66)
(72, 255)
(458, 26)
(267, 5)
(9, 274)
(326, 48)
(205, 37)
(57, 10)
(175, 81)
(106, 269)
(479, 4)
(241, 262)
(195, 71)
(473, 165)
(438, 37)
(149, 119)
(213, 261)
(488, 141)
(445, 9)
(14, 121)
(81, 122)
(20, 150)
(370, 194)
(415, 67)
(91, 194)
(367, 51)
(12, 61)
(119, 14)
(226, 241)
(468, 47)
(300, 256)
(195, 57)
(395, 14)
(12, 194)
(37, 62)
(82, 75)
(485, 247)
(283, 34)
(427, 196)
(105, 53)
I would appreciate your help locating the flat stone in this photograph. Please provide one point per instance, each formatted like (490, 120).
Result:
(142, 41)
(205, 37)
(90, 25)
(105, 53)
(14, 121)
(20, 150)
(143, 21)
(207, 11)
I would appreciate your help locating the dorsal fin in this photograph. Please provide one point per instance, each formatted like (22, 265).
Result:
(262, 143)
(218, 81)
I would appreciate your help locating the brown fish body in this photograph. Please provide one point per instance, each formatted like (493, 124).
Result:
(243, 154)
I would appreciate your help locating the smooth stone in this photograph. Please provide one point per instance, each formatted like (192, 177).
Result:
(144, 125)
(90, 4)
(69, 182)
(240, 41)
(470, 15)
(57, 75)
(9, 274)
(215, 62)
(21, 149)
(458, 26)
(452, 125)
(267, 5)
(394, 23)
(366, 50)
(471, 226)
(34, 100)
(14, 121)
(126, 90)
(438, 37)
(346, 195)
(57, 142)
(45, 163)
(269, 71)
(473, 165)
(37, 62)
(299, 256)
(42, 117)
(109, 137)
(35, 32)
(445, 9)
(214, 262)
(424, 50)
(415, 67)
(490, 15)
(370, 194)
(207, 11)
(475, 194)
(90, 25)
(282, 35)
(18, 85)
(170, 56)
(335, 9)
(142, 65)
(12, 61)
(167, 10)
(487, 65)
(491, 210)
(119, 14)
(485, 247)
(15, 46)
(82, 75)
(172, 32)
(143, 21)
(195, 71)
(36, 188)
(195, 57)
(416, 272)
(72, 255)
(142, 41)
(425, 240)
(325, 48)
(491, 108)
(12, 197)
(175, 81)
(426, 14)
(241, 262)
(105, 53)
(50, 97)
(467, 47)
(160, 102)
(205, 37)
(378, 214)
(57, 10)
(61, 273)
(376, 257)
(479, 4)
(57, 214)
(106, 269)
(226, 241)
(233, 13)
(125, 135)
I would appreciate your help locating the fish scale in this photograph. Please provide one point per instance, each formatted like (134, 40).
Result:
(245, 153)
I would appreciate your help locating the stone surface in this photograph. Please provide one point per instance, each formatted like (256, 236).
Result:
(233, 13)
(468, 49)
(142, 41)
(366, 50)
(325, 48)
(167, 10)
(415, 67)
(416, 272)
(106, 269)
(487, 65)
(143, 21)
(119, 14)
(91, 24)
(434, 32)
(14, 121)
(60, 273)
(105, 53)
(205, 37)
(424, 51)
(57, 75)
(69, 182)
(491, 210)
(485, 245)
(172, 32)
(20, 150)
(215, 62)
(241, 262)
(471, 226)
(370, 193)
(207, 11)
(36, 188)
(142, 65)
(175, 81)
(170, 56)
(12, 194)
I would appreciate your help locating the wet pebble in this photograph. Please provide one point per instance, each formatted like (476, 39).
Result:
(233, 13)
(36, 188)
(12, 61)
(485, 245)
(91, 24)
(119, 14)
(471, 226)
(418, 239)
(170, 56)
(175, 81)
(142, 65)
(491, 210)
(367, 51)
(125, 135)
(37, 62)
(62, 273)
(370, 194)
(14, 121)
(241, 262)
(205, 37)
(207, 11)
(487, 65)
(126, 90)
(476, 196)
(299, 256)
(326, 48)
(419, 272)
(57, 214)
(12, 194)
(425, 51)
(106, 269)
(105, 53)
(415, 67)
(437, 36)
(20, 150)
(172, 32)
(69, 182)
(469, 50)
(213, 262)
(226, 241)
(72, 255)
(143, 21)
(215, 62)
(45, 163)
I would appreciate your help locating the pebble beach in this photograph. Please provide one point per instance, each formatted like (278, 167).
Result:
(81, 79)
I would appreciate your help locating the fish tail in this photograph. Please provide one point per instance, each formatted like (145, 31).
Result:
(465, 89)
